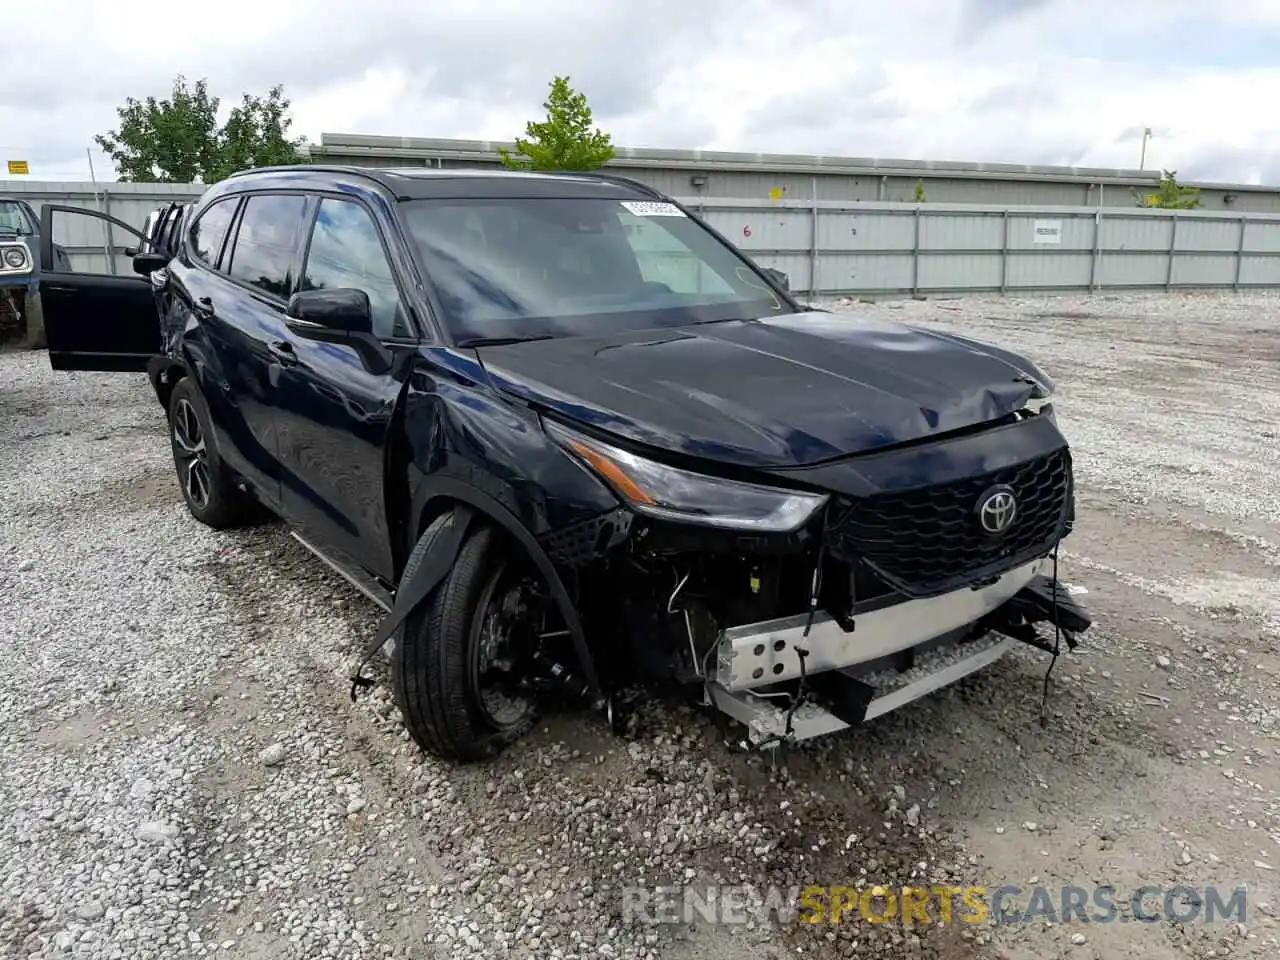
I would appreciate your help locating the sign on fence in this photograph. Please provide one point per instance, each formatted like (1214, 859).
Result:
(18, 168)
(1048, 231)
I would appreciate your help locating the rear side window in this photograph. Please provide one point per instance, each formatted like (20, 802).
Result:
(208, 232)
(266, 242)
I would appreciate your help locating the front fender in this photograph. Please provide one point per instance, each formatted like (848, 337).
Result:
(460, 431)
(466, 444)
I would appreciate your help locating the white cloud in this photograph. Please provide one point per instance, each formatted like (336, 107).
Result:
(1051, 81)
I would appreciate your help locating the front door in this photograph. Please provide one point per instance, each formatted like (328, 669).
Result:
(98, 314)
(333, 416)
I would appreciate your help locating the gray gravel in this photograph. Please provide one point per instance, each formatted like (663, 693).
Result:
(184, 775)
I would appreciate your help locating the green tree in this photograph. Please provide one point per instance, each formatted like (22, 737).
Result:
(1171, 195)
(179, 140)
(565, 140)
(919, 195)
(256, 134)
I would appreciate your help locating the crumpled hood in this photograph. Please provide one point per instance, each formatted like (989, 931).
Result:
(778, 392)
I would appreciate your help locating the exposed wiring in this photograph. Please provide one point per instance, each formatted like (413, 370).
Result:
(1057, 645)
(815, 585)
(798, 699)
(671, 602)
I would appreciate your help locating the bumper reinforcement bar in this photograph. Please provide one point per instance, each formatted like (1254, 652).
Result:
(766, 718)
(964, 634)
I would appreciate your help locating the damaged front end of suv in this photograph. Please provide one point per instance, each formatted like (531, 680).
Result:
(816, 556)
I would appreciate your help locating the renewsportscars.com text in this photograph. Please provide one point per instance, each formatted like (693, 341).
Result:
(937, 903)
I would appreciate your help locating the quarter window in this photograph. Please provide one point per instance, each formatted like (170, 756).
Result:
(346, 253)
(267, 241)
(210, 230)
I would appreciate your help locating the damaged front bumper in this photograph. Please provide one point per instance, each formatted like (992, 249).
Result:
(890, 658)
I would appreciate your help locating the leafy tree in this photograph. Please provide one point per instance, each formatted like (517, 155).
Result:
(256, 134)
(1171, 195)
(178, 139)
(565, 140)
(919, 195)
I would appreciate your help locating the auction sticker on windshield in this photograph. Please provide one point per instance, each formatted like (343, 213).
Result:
(650, 208)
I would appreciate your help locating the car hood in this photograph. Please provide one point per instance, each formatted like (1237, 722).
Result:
(778, 392)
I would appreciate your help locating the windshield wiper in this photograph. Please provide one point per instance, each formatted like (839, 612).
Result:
(500, 341)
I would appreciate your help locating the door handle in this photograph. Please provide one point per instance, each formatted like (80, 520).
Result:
(203, 307)
(282, 350)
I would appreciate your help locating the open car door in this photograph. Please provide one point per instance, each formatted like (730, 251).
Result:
(100, 318)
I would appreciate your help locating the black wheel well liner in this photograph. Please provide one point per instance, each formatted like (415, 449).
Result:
(444, 491)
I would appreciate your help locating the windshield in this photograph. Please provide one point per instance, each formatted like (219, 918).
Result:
(14, 219)
(535, 267)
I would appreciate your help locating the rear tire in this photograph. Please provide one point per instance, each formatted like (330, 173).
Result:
(432, 660)
(208, 486)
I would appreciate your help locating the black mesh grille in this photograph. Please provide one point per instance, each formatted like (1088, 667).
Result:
(928, 540)
(580, 544)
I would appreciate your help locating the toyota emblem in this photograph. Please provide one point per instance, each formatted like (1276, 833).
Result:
(997, 509)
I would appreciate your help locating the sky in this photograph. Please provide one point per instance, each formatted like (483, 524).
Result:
(1069, 82)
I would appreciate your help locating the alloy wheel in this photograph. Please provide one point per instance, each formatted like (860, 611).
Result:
(192, 454)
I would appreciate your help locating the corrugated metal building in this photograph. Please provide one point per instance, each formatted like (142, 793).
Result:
(763, 176)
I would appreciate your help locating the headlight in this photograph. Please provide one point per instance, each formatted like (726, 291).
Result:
(15, 258)
(662, 491)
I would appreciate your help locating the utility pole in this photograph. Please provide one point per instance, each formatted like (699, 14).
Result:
(1142, 159)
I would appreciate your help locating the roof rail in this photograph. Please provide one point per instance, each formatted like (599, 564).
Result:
(368, 173)
(615, 178)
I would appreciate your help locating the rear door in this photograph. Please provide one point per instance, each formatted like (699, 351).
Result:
(241, 306)
(98, 314)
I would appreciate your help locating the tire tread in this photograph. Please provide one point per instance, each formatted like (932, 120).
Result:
(429, 665)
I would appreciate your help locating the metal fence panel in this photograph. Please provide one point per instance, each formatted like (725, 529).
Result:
(1262, 235)
(1049, 233)
(982, 231)
(1203, 271)
(896, 248)
(856, 272)
(1256, 271)
(1059, 271)
(861, 230)
(1207, 235)
(948, 271)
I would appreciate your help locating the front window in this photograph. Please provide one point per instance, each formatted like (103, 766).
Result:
(542, 266)
(14, 219)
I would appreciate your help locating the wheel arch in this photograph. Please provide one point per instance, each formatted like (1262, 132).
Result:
(443, 493)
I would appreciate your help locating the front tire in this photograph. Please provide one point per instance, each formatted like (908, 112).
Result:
(436, 662)
(208, 486)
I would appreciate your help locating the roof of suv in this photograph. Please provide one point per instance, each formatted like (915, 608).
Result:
(415, 183)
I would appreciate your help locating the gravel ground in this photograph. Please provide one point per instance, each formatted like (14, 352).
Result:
(184, 775)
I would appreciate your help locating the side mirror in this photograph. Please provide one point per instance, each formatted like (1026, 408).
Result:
(342, 315)
(778, 277)
(344, 310)
(145, 264)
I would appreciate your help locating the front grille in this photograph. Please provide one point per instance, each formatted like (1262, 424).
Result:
(928, 540)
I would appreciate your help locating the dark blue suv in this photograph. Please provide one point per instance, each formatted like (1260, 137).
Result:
(574, 442)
